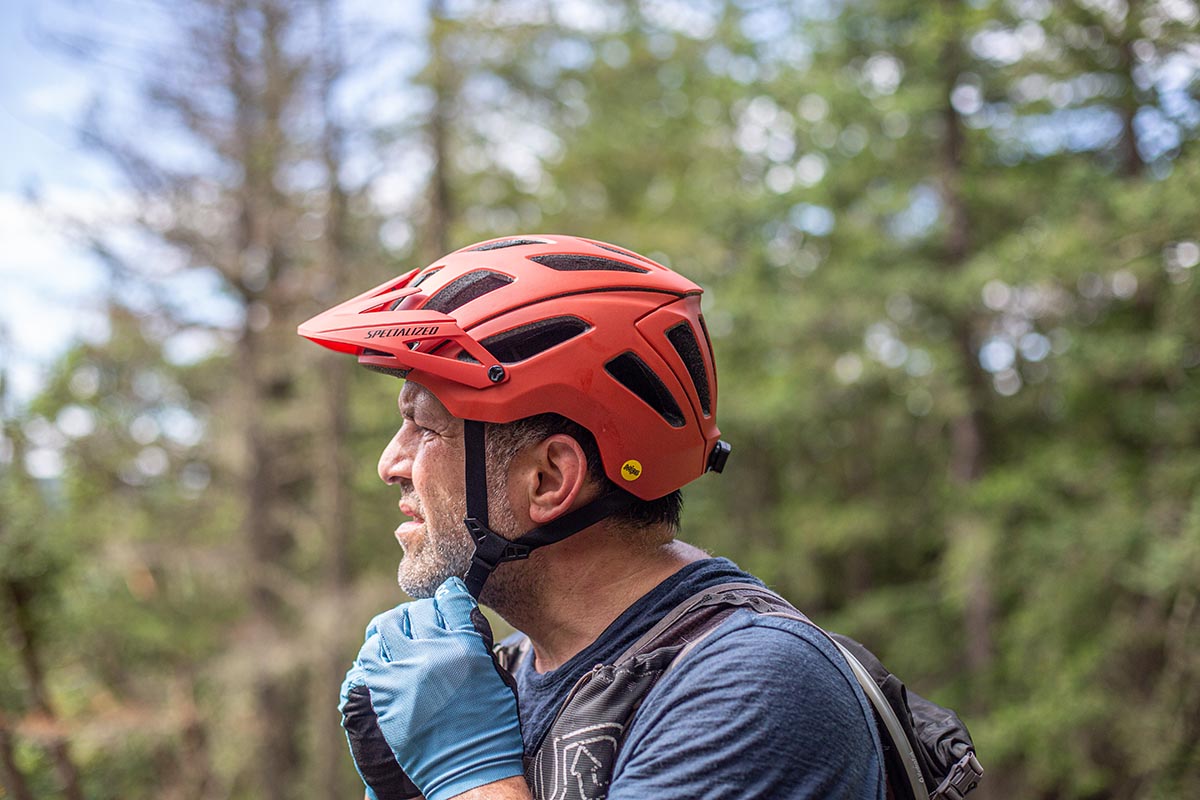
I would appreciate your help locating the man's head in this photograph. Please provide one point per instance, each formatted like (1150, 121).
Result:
(536, 467)
(547, 340)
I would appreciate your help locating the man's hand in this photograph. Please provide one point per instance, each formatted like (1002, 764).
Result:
(425, 706)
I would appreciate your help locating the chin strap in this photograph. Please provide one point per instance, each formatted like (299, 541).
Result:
(492, 549)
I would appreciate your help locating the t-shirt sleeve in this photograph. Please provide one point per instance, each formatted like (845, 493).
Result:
(762, 708)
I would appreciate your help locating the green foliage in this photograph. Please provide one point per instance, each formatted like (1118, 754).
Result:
(955, 317)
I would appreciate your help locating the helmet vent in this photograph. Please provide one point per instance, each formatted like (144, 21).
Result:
(426, 275)
(527, 341)
(407, 303)
(570, 262)
(394, 372)
(635, 375)
(704, 330)
(628, 253)
(411, 301)
(466, 288)
(506, 243)
(684, 342)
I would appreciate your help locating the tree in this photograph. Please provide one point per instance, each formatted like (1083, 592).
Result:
(952, 256)
(243, 191)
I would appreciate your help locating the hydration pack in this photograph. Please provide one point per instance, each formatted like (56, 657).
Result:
(928, 753)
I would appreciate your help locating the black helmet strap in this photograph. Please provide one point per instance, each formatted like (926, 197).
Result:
(492, 549)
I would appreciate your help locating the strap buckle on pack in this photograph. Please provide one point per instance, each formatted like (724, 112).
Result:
(964, 776)
(754, 599)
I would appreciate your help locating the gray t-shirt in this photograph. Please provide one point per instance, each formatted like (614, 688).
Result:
(764, 707)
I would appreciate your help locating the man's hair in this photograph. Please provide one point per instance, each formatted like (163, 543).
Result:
(504, 440)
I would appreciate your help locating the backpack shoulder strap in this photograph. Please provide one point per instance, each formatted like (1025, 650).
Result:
(575, 757)
(591, 724)
(693, 618)
(731, 596)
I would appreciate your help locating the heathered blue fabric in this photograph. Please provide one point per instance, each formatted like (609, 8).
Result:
(763, 708)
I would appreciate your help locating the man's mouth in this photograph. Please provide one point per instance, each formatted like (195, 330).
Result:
(408, 510)
(410, 526)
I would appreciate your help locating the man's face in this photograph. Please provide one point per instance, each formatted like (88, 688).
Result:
(425, 460)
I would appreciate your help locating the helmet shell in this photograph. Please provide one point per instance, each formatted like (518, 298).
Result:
(519, 326)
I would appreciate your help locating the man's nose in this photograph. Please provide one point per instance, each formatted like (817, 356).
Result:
(395, 463)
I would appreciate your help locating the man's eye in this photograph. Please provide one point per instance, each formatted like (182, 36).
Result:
(412, 423)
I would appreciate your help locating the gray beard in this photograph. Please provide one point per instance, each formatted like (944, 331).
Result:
(449, 556)
(445, 557)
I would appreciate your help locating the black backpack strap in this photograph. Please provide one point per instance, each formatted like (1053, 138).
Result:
(941, 744)
(699, 615)
(900, 754)
(901, 739)
(575, 759)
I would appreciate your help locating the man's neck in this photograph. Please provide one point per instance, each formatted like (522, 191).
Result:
(578, 587)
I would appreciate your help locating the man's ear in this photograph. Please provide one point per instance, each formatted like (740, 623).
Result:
(560, 474)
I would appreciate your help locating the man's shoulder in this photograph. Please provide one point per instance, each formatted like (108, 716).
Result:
(761, 698)
(786, 669)
(767, 649)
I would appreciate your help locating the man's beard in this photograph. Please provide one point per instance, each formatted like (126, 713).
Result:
(443, 554)
(447, 548)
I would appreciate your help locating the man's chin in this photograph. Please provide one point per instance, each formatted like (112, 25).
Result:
(416, 589)
(419, 584)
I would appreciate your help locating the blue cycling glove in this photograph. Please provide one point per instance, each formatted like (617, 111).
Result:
(425, 706)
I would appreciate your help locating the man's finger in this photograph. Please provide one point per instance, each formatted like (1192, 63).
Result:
(455, 604)
(395, 630)
(372, 651)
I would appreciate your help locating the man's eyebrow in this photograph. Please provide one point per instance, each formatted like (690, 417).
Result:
(409, 400)
(422, 401)
(409, 408)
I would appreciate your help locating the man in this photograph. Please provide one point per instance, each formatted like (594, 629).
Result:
(559, 391)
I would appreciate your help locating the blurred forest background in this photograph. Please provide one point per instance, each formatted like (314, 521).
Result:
(951, 251)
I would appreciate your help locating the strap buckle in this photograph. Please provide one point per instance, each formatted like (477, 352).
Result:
(964, 776)
(492, 549)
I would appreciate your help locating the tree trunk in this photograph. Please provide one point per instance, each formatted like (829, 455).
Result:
(333, 491)
(18, 598)
(441, 210)
(335, 516)
(261, 98)
(1131, 162)
(12, 780)
(968, 442)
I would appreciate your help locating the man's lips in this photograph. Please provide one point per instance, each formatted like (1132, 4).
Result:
(407, 510)
(410, 526)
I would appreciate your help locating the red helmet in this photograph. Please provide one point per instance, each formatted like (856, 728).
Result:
(527, 325)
